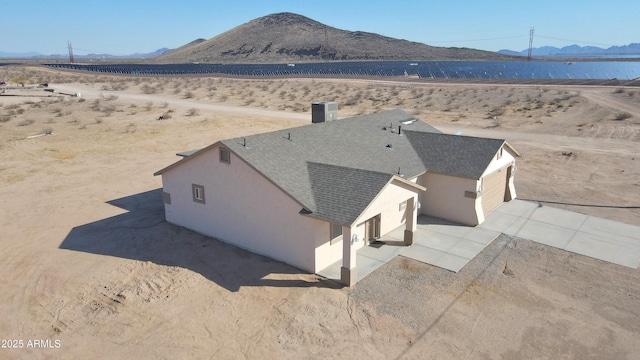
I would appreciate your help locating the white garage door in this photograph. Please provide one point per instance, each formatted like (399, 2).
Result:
(495, 185)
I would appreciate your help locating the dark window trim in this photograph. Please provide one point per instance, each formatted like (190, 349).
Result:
(166, 198)
(228, 153)
(194, 192)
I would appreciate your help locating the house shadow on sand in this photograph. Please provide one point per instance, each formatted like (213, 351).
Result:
(143, 234)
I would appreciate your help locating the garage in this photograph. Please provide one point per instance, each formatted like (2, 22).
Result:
(495, 185)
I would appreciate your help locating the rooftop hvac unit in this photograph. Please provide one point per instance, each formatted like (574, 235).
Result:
(324, 111)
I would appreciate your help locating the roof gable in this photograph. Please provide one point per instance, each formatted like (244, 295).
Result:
(463, 156)
(340, 193)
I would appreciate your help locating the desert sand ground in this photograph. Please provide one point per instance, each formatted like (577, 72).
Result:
(88, 260)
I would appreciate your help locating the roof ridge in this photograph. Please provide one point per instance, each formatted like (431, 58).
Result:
(456, 135)
(351, 168)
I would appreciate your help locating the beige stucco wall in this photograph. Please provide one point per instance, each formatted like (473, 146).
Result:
(242, 208)
(326, 253)
(387, 202)
(445, 198)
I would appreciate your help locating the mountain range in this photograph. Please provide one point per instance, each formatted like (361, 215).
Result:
(631, 50)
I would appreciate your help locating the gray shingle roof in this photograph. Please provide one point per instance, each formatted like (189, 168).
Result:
(341, 194)
(335, 169)
(462, 156)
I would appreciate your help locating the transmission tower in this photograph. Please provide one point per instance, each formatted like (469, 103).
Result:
(70, 52)
(530, 43)
(325, 48)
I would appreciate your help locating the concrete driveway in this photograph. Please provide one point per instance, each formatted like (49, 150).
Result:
(598, 238)
(451, 246)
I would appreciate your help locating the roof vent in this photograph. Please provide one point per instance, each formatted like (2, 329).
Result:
(324, 111)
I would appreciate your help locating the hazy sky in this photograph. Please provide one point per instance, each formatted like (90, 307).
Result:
(121, 27)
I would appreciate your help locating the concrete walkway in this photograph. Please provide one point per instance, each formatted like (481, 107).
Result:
(438, 242)
(451, 246)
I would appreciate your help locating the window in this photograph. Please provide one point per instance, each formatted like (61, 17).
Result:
(336, 233)
(225, 156)
(166, 198)
(403, 205)
(198, 193)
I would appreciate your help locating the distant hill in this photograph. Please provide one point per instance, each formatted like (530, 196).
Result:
(8, 55)
(287, 37)
(35, 55)
(632, 49)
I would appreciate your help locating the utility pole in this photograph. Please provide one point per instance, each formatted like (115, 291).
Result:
(70, 52)
(530, 43)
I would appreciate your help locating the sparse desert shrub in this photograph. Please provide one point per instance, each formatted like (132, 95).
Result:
(4, 118)
(164, 104)
(495, 111)
(26, 122)
(618, 91)
(148, 89)
(350, 102)
(109, 109)
(46, 131)
(622, 116)
(148, 105)
(188, 95)
(81, 100)
(192, 112)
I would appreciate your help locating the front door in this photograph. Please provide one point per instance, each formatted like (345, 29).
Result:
(372, 229)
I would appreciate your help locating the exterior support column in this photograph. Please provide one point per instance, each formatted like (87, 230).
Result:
(411, 222)
(348, 271)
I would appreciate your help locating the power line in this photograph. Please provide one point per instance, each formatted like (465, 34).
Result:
(484, 39)
(574, 41)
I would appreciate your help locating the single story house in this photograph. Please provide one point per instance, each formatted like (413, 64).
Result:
(312, 195)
